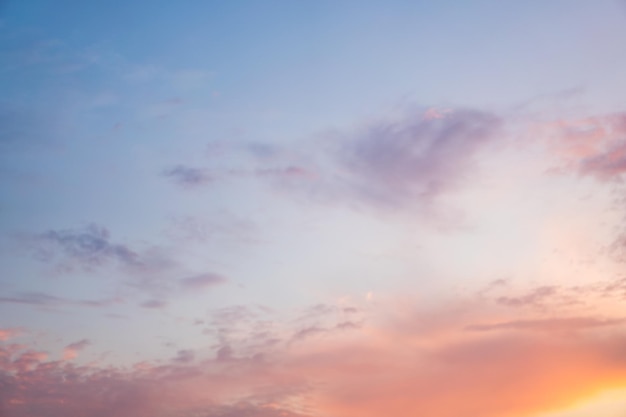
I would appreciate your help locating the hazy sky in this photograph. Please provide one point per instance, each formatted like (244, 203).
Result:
(312, 208)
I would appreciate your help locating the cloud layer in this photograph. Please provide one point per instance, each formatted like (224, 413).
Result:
(473, 359)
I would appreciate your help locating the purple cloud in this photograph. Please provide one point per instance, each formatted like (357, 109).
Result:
(146, 268)
(155, 304)
(534, 298)
(184, 356)
(308, 332)
(47, 300)
(202, 281)
(415, 159)
(90, 246)
(188, 176)
(390, 164)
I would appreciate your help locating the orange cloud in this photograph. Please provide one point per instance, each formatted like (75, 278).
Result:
(501, 376)
(446, 363)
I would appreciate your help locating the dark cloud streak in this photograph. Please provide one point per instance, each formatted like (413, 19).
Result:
(90, 246)
(188, 176)
(47, 300)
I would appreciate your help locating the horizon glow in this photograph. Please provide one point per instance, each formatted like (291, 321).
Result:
(312, 209)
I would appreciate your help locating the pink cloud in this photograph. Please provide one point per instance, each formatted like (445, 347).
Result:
(434, 113)
(72, 350)
(594, 145)
(415, 159)
(608, 164)
(9, 333)
(399, 361)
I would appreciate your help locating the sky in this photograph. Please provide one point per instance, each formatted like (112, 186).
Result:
(312, 208)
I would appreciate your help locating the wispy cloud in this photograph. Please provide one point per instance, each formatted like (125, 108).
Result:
(48, 300)
(415, 159)
(183, 80)
(154, 304)
(88, 247)
(534, 298)
(151, 269)
(221, 226)
(391, 163)
(184, 356)
(549, 325)
(592, 146)
(72, 350)
(9, 333)
(188, 176)
(197, 282)
(556, 297)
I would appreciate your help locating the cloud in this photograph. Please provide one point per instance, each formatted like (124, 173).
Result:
(284, 172)
(22, 361)
(154, 304)
(47, 300)
(188, 176)
(146, 274)
(393, 164)
(202, 281)
(149, 269)
(9, 333)
(497, 377)
(88, 247)
(556, 297)
(607, 165)
(221, 226)
(592, 146)
(34, 386)
(386, 366)
(184, 356)
(72, 350)
(614, 288)
(559, 324)
(415, 159)
(244, 409)
(390, 164)
(308, 332)
(535, 297)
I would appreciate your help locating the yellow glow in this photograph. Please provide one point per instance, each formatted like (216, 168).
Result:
(610, 403)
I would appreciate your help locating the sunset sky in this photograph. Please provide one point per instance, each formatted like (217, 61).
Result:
(312, 208)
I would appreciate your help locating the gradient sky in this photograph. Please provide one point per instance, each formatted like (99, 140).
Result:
(312, 208)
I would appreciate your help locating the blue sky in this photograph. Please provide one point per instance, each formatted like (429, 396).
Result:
(300, 192)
